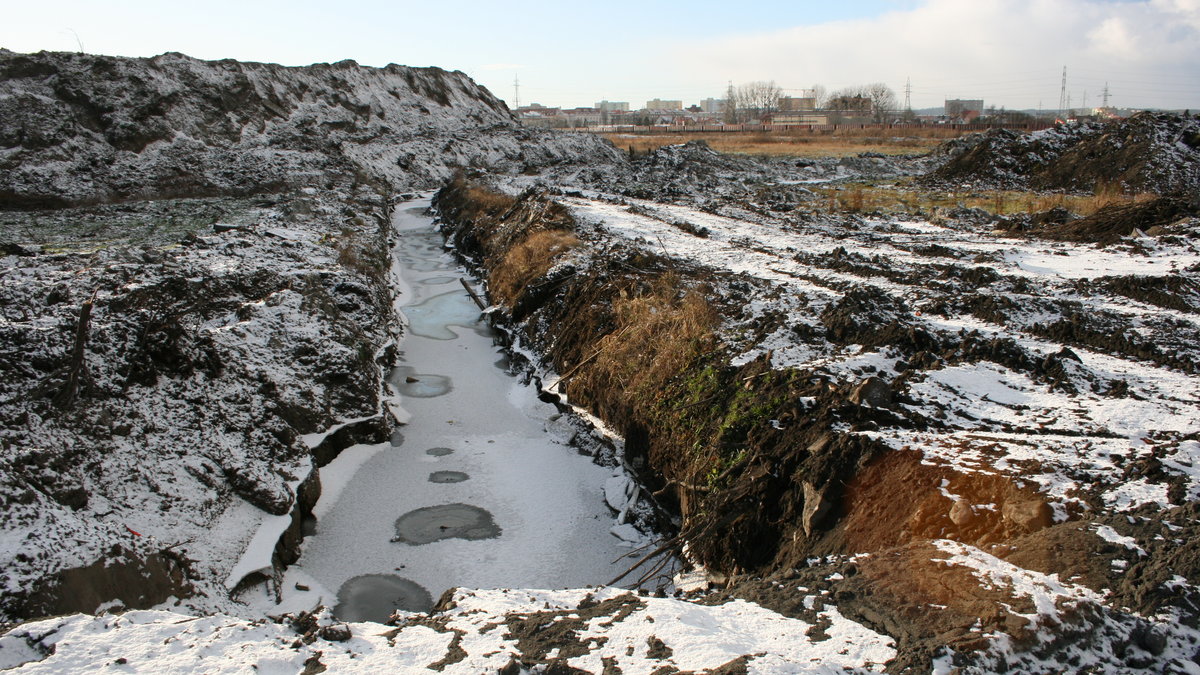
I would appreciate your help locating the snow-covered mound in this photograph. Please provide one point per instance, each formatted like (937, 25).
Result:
(194, 291)
(78, 128)
(1149, 152)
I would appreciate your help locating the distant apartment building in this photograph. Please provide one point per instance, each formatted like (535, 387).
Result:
(713, 105)
(963, 108)
(584, 117)
(660, 104)
(612, 106)
(797, 103)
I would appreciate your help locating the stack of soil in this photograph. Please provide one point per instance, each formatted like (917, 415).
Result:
(1149, 152)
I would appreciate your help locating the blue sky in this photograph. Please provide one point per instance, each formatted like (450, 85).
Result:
(1008, 52)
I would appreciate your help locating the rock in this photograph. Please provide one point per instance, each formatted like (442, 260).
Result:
(1150, 638)
(1031, 515)
(374, 429)
(962, 513)
(816, 507)
(338, 632)
(873, 392)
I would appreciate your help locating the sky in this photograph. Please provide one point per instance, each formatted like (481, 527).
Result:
(1010, 53)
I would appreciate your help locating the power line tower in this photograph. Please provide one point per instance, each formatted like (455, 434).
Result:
(516, 92)
(1104, 95)
(1062, 97)
(908, 94)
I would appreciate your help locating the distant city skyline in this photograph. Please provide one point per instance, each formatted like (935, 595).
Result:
(1010, 53)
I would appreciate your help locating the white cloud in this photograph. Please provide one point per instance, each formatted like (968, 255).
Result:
(1010, 52)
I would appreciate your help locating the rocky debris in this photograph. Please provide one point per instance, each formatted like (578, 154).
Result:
(1149, 152)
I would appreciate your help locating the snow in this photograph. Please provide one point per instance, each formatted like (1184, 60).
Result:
(696, 637)
(1045, 591)
(1109, 534)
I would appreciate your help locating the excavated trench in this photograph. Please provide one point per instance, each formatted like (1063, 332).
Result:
(479, 489)
(772, 491)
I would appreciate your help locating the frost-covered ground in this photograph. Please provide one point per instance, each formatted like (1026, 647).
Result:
(204, 363)
(1080, 434)
(1043, 393)
(481, 631)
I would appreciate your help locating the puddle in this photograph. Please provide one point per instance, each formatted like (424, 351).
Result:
(373, 597)
(439, 452)
(447, 477)
(420, 385)
(448, 521)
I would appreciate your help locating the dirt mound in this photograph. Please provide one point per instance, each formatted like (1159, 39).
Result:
(85, 129)
(1149, 152)
(1108, 225)
(694, 173)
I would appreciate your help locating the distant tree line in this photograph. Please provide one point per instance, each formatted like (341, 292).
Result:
(753, 100)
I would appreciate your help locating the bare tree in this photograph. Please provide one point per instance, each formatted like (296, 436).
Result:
(883, 100)
(760, 98)
(819, 96)
(849, 99)
(877, 99)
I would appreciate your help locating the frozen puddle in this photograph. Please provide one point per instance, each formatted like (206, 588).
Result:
(448, 521)
(373, 597)
(474, 493)
(418, 385)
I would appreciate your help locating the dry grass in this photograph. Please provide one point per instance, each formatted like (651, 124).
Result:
(658, 335)
(841, 143)
(486, 202)
(527, 261)
(860, 198)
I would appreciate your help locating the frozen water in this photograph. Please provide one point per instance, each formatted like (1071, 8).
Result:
(447, 521)
(545, 499)
(373, 597)
(420, 385)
